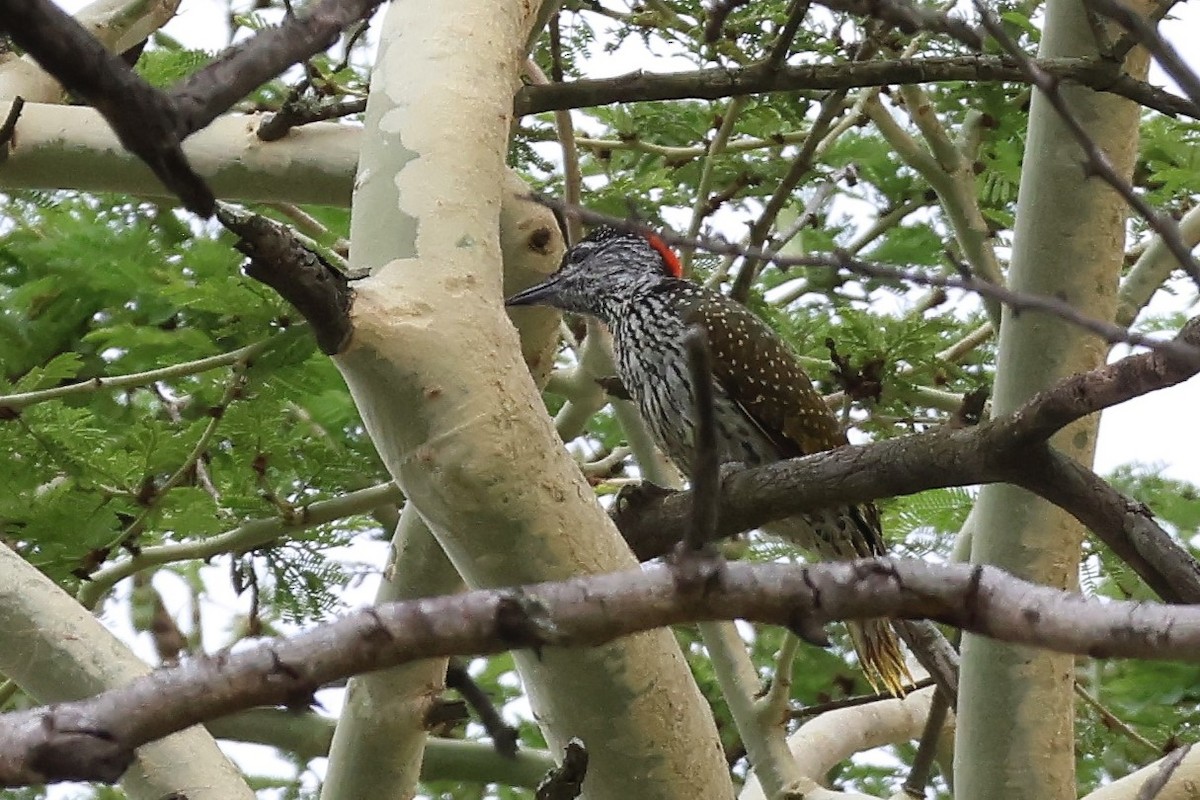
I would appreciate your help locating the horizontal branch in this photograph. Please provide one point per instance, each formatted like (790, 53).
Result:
(1010, 449)
(94, 739)
(718, 82)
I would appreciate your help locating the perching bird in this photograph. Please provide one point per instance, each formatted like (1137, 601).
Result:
(765, 406)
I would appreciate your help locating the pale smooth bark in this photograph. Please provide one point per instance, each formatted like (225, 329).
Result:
(59, 147)
(825, 741)
(435, 369)
(1182, 784)
(1016, 708)
(379, 742)
(55, 650)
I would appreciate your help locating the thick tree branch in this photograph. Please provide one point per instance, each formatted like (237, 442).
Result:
(718, 82)
(153, 123)
(213, 89)
(92, 739)
(144, 118)
(1009, 449)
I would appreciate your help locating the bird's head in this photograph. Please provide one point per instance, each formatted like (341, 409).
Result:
(602, 271)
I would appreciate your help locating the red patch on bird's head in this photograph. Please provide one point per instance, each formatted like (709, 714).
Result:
(670, 261)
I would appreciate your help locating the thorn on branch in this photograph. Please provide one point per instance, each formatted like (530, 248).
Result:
(565, 782)
(9, 127)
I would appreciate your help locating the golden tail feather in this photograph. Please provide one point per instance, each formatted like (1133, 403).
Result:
(879, 652)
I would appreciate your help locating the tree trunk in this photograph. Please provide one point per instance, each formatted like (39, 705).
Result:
(436, 371)
(1015, 726)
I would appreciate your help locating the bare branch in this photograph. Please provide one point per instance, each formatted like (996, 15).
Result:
(213, 89)
(719, 82)
(1097, 160)
(93, 739)
(301, 276)
(144, 118)
(1144, 31)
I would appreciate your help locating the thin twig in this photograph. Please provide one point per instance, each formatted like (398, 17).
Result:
(705, 492)
(1127, 42)
(720, 82)
(13, 403)
(504, 736)
(1112, 721)
(840, 260)
(817, 709)
(801, 165)
(1147, 34)
(1158, 781)
(1098, 162)
(9, 126)
(922, 766)
(717, 12)
(797, 10)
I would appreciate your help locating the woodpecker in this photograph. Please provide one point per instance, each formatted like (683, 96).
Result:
(765, 406)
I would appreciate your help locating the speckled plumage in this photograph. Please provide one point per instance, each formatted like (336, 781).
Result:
(766, 408)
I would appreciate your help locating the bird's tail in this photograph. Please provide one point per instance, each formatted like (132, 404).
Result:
(879, 652)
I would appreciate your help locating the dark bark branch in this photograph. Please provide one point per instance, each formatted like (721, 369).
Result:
(1010, 449)
(1097, 161)
(210, 91)
(706, 470)
(718, 82)
(144, 118)
(505, 738)
(910, 17)
(1145, 31)
(282, 261)
(93, 739)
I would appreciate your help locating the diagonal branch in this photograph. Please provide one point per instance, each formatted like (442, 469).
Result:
(144, 118)
(1009, 449)
(1098, 162)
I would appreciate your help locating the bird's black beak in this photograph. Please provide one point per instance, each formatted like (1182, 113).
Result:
(540, 294)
